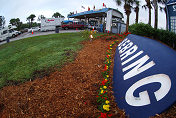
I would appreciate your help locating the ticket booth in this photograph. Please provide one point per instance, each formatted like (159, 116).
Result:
(171, 18)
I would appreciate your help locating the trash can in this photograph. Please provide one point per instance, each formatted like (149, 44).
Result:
(57, 29)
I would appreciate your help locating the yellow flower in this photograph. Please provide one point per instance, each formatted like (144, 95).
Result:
(104, 87)
(101, 88)
(111, 48)
(102, 91)
(106, 107)
(107, 101)
(110, 45)
(106, 80)
(107, 75)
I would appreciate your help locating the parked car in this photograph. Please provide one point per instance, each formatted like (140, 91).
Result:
(34, 29)
(4, 34)
(73, 25)
(8, 33)
(24, 30)
(13, 33)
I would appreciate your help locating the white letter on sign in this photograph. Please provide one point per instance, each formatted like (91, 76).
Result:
(143, 98)
(123, 43)
(128, 52)
(125, 48)
(137, 69)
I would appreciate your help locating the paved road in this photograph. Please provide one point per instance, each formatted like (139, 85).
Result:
(26, 35)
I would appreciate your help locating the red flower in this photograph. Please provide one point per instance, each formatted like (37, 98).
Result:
(103, 82)
(109, 115)
(105, 98)
(107, 56)
(103, 115)
(104, 92)
(105, 68)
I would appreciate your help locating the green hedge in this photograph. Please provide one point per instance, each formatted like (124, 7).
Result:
(165, 36)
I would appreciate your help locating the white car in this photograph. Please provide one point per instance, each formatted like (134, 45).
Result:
(13, 33)
(34, 29)
(4, 34)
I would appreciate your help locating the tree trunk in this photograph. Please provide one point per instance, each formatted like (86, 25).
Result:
(156, 14)
(127, 22)
(137, 14)
(149, 17)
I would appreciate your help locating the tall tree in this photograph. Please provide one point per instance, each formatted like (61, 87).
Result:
(57, 15)
(127, 7)
(41, 17)
(2, 21)
(149, 6)
(71, 13)
(31, 19)
(16, 22)
(136, 9)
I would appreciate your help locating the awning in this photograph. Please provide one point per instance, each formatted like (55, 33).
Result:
(93, 13)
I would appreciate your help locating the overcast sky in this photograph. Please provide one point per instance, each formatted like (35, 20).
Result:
(23, 8)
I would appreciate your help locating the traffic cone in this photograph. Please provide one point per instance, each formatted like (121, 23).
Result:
(93, 28)
(32, 32)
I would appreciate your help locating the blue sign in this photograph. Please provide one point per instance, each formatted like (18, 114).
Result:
(171, 11)
(144, 76)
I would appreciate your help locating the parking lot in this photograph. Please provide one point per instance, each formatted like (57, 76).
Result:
(27, 34)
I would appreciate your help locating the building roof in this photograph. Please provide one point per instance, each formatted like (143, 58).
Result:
(93, 13)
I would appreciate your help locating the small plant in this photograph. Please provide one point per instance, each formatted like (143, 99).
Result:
(87, 34)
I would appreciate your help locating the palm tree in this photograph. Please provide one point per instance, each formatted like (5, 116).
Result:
(40, 17)
(127, 7)
(31, 19)
(57, 14)
(136, 9)
(149, 6)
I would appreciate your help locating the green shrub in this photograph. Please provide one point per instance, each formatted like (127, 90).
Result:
(141, 29)
(162, 35)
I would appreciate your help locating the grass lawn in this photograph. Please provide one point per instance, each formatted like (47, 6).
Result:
(22, 60)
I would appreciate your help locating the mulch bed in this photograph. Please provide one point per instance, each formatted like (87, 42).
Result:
(69, 93)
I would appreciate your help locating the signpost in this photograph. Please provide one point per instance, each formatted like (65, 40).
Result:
(144, 76)
(171, 11)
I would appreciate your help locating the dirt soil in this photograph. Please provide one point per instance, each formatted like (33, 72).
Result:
(69, 93)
